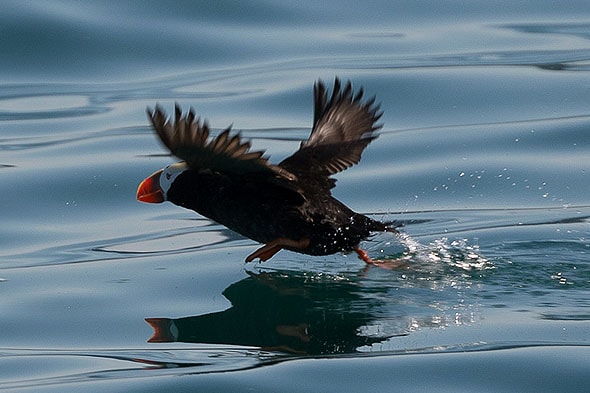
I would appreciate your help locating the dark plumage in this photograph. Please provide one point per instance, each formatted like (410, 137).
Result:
(288, 205)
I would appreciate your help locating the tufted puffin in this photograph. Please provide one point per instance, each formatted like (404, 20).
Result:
(284, 206)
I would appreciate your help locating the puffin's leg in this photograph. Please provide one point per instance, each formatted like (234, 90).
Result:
(267, 251)
(264, 253)
(383, 263)
(363, 255)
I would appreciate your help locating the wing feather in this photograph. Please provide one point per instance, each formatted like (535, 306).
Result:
(188, 139)
(343, 127)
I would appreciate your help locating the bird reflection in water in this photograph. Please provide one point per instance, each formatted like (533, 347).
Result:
(299, 313)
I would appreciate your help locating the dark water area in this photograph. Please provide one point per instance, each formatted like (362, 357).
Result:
(484, 156)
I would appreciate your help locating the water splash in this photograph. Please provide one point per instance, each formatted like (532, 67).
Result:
(458, 253)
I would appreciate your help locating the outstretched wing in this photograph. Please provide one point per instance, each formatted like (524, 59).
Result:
(343, 127)
(188, 139)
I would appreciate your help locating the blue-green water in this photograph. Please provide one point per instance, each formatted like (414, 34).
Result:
(484, 155)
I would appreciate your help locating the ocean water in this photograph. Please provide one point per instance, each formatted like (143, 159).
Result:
(484, 156)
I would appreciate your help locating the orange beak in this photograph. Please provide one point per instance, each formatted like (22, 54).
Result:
(149, 190)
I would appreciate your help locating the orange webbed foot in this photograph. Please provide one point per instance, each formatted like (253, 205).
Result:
(389, 264)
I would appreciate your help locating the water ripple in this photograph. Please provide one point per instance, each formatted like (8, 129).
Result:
(70, 367)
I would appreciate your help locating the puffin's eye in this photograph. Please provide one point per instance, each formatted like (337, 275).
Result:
(168, 175)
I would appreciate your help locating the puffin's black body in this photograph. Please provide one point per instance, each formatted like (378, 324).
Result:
(288, 205)
(265, 212)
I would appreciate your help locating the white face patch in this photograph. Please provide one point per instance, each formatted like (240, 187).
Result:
(169, 174)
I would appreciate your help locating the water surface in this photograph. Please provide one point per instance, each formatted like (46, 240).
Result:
(483, 156)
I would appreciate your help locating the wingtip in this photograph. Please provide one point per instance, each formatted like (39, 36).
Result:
(359, 95)
(337, 85)
(151, 110)
(155, 111)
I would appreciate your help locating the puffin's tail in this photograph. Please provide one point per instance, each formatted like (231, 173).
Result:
(391, 226)
(387, 226)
